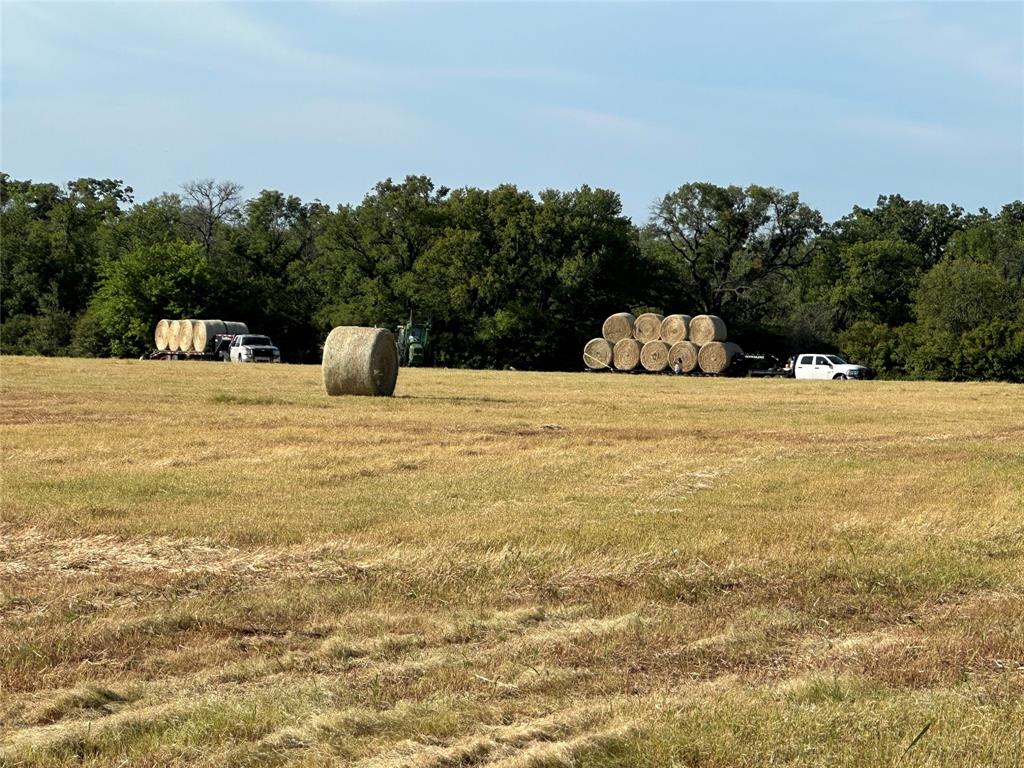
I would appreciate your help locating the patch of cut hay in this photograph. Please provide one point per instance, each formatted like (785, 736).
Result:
(717, 356)
(707, 328)
(626, 354)
(618, 327)
(683, 354)
(647, 327)
(163, 328)
(597, 354)
(674, 328)
(654, 356)
(360, 361)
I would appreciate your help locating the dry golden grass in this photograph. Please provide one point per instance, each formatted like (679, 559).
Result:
(507, 569)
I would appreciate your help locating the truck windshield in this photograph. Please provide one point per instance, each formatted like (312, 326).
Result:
(256, 341)
(836, 359)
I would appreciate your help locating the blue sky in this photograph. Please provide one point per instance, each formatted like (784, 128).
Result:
(839, 101)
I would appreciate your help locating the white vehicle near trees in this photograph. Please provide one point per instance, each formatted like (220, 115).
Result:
(249, 348)
(819, 366)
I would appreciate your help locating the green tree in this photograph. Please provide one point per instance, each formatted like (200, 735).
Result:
(54, 240)
(144, 285)
(731, 248)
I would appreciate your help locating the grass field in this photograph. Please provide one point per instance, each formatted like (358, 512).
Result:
(205, 564)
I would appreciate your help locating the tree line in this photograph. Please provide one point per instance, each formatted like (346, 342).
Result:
(508, 278)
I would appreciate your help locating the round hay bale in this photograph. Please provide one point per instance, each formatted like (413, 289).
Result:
(173, 331)
(360, 361)
(235, 328)
(160, 335)
(597, 354)
(203, 332)
(674, 328)
(618, 327)
(626, 354)
(647, 327)
(685, 354)
(705, 328)
(654, 356)
(185, 334)
(717, 356)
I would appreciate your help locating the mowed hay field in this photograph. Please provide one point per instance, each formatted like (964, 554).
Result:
(209, 564)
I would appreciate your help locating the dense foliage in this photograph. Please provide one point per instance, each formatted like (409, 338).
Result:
(511, 279)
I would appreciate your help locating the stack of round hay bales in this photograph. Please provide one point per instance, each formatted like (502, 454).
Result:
(597, 354)
(618, 327)
(675, 342)
(189, 335)
(360, 361)
(717, 356)
(706, 328)
(160, 334)
(626, 354)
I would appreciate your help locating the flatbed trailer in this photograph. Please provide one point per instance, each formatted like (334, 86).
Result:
(741, 366)
(218, 352)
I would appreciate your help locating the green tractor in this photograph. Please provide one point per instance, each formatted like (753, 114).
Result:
(414, 344)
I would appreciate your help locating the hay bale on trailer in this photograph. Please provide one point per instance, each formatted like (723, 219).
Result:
(597, 354)
(654, 356)
(626, 354)
(685, 354)
(360, 361)
(674, 328)
(647, 327)
(203, 332)
(618, 327)
(707, 328)
(185, 335)
(235, 328)
(160, 334)
(173, 332)
(717, 356)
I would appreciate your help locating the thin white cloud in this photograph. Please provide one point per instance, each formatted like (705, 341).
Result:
(604, 123)
(906, 131)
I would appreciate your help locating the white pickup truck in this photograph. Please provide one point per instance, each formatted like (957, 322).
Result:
(246, 348)
(827, 367)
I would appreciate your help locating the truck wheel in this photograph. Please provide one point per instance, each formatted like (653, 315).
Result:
(839, 377)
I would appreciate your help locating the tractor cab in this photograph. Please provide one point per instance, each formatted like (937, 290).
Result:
(413, 343)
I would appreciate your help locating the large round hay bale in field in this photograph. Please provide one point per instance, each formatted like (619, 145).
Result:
(626, 354)
(232, 327)
(717, 356)
(185, 334)
(685, 354)
(173, 331)
(705, 328)
(360, 361)
(597, 354)
(654, 356)
(618, 327)
(674, 328)
(647, 327)
(203, 332)
(160, 334)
